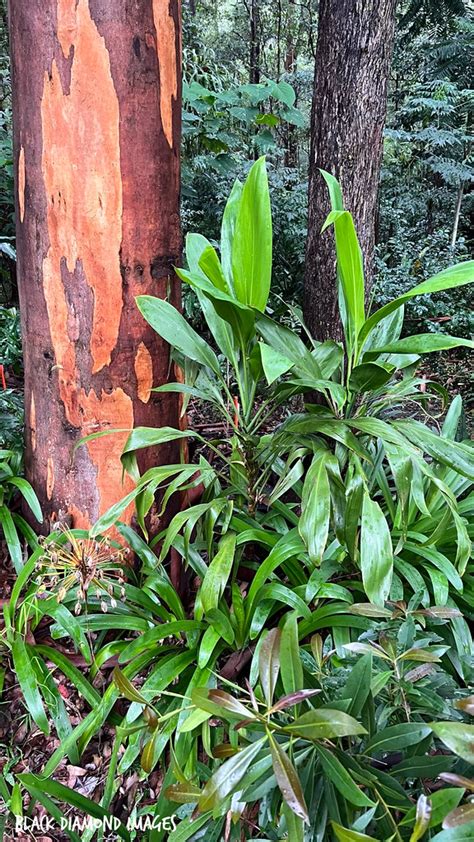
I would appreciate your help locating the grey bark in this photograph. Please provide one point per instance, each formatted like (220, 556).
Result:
(353, 54)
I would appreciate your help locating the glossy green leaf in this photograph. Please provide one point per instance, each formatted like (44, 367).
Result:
(227, 231)
(27, 680)
(291, 668)
(288, 780)
(316, 508)
(342, 780)
(323, 724)
(228, 776)
(457, 736)
(269, 663)
(376, 553)
(218, 572)
(345, 835)
(454, 276)
(174, 329)
(28, 494)
(397, 737)
(252, 241)
(423, 343)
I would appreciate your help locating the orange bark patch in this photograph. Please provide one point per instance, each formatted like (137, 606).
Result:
(50, 478)
(21, 183)
(109, 411)
(144, 372)
(67, 24)
(78, 518)
(81, 169)
(166, 50)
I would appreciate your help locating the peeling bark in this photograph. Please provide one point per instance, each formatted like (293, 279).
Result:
(96, 139)
(355, 39)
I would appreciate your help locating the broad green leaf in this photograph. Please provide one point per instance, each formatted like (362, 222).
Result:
(441, 802)
(368, 376)
(345, 835)
(28, 683)
(274, 364)
(174, 329)
(397, 737)
(350, 272)
(269, 663)
(11, 538)
(287, 779)
(357, 686)
(457, 736)
(29, 495)
(316, 508)
(228, 776)
(291, 668)
(227, 231)
(252, 242)
(323, 724)
(456, 455)
(458, 275)
(210, 264)
(423, 343)
(376, 552)
(287, 343)
(218, 573)
(342, 780)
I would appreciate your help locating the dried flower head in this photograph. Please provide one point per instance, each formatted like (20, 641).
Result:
(72, 562)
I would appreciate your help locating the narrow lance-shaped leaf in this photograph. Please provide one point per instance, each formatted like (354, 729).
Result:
(290, 660)
(218, 572)
(288, 780)
(457, 736)
(315, 509)
(269, 663)
(455, 276)
(376, 552)
(252, 241)
(228, 776)
(174, 329)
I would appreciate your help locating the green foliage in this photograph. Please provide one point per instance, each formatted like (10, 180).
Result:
(275, 687)
(12, 524)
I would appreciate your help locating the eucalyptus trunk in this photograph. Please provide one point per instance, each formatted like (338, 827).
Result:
(353, 54)
(96, 148)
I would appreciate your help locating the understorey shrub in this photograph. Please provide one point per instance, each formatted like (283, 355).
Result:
(294, 678)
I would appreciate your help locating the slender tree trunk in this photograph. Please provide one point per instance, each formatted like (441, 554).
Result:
(96, 145)
(353, 53)
(254, 75)
(457, 215)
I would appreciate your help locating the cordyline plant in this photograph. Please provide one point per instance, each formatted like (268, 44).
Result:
(299, 688)
(357, 466)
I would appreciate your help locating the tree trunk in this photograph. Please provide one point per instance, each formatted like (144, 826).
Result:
(353, 53)
(96, 145)
(254, 74)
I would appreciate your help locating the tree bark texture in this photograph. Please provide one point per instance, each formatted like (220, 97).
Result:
(354, 47)
(96, 144)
